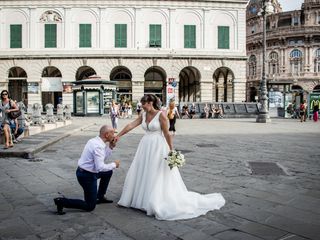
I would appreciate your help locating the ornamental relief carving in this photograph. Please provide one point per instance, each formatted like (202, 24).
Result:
(50, 16)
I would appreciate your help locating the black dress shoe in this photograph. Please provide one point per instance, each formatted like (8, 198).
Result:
(103, 200)
(58, 202)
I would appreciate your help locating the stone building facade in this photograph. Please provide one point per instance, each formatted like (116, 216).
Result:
(141, 45)
(293, 52)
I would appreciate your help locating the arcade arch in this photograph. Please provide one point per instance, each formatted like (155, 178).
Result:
(155, 82)
(17, 86)
(224, 89)
(189, 85)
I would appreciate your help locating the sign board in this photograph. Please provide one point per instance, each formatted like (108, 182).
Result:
(170, 93)
(51, 85)
(67, 87)
(276, 99)
(313, 99)
(33, 87)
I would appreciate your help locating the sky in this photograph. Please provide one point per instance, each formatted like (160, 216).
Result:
(288, 5)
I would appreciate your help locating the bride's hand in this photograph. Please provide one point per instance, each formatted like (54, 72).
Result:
(116, 139)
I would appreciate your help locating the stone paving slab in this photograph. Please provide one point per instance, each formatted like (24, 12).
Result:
(257, 206)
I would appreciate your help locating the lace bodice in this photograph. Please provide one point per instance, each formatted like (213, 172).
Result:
(154, 124)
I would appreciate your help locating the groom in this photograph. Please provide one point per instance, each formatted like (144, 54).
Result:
(91, 167)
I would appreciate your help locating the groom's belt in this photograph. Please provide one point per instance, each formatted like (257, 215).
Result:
(83, 170)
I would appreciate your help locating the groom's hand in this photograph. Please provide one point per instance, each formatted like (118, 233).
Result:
(117, 162)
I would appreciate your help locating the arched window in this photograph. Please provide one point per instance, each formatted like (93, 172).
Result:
(252, 65)
(273, 63)
(317, 61)
(295, 53)
(296, 61)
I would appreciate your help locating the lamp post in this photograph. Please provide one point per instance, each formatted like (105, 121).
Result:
(263, 116)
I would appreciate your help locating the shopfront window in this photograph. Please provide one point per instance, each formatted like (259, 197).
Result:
(93, 102)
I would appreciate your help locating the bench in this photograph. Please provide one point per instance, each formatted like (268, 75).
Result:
(229, 110)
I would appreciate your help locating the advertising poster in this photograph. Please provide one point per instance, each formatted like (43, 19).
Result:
(313, 99)
(51, 85)
(171, 89)
(33, 87)
(67, 87)
(275, 99)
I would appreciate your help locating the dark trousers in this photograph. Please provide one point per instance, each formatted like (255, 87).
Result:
(172, 123)
(88, 182)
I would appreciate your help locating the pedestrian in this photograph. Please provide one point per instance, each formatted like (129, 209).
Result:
(114, 115)
(16, 129)
(316, 112)
(139, 108)
(172, 116)
(6, 107)
(302, 111)
(91, 167)
(129, 110)
(206, 110)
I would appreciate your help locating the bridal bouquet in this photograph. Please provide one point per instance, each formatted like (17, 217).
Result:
(175, 159)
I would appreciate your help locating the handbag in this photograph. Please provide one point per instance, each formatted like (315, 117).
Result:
(15, 114)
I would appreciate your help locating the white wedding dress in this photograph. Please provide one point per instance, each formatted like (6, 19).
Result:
(151, 186)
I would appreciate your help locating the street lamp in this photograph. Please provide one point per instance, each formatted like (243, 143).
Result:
(263, 115)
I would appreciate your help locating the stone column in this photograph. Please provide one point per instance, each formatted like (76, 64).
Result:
(206, 90)
(306, 59)
(172, 29)
(2, 28)
(68, 37)
(204, 29)
(137, 89)
(136, 35)
(32, 29)
(239, 89)
(311, 57)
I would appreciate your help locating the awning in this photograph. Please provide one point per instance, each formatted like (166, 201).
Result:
(94, 87)
(280, 82)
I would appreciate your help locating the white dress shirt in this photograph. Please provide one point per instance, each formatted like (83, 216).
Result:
(93, 156)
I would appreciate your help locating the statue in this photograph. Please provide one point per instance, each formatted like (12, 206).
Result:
(22, 118)
(49, 113)
(36, 114)
(60, 112)
(67, 110)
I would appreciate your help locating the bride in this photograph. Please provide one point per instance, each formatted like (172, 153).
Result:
(150, 185)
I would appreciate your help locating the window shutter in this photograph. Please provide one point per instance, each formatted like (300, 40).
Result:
(192, 36)
(155, 35)
(124, 35)
(50, 36)
(16, 36)
(158, 35)
(186, 36)
(223, 37)
(117, 35)
(189, 36)
(85, 35)
(120, 35)
(152, 35)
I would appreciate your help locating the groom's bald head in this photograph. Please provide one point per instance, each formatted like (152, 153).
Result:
(106, 133)
(105, 129)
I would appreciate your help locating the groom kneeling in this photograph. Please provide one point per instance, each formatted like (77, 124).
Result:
(91, 167)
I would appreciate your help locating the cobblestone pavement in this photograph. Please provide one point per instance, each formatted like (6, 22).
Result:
(218, 153)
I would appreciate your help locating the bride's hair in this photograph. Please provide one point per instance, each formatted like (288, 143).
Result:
(151, 98)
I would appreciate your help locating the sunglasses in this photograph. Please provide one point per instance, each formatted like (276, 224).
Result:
(3, 94)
